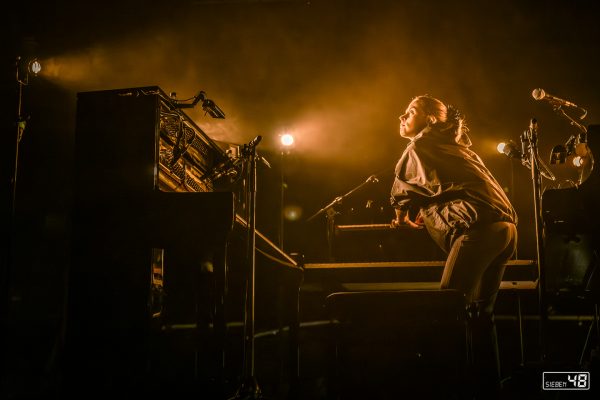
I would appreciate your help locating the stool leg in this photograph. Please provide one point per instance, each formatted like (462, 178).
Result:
(486, 360)
(333, 384)
(520, 319)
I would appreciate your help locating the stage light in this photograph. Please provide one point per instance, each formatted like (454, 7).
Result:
(510, 149)
(34, 67)
(287, 140)
(22, 73)
(26, 69)
(292, 212)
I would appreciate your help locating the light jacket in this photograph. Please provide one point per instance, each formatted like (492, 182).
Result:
(449, 184)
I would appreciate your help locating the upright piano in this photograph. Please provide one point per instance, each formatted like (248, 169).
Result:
(158, 250)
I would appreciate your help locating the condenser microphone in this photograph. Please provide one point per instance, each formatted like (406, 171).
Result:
(540, 94)
(255, 141)
(373, 179)
(212, 109)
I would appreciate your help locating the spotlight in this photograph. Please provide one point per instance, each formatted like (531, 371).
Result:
(25, 70)
(34, 67)
(578, 161)
(292, 212)
(287, 140)
(510, 149)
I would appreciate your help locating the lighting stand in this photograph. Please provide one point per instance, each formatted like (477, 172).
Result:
(21, 123)
(282, 189)
(249, 388)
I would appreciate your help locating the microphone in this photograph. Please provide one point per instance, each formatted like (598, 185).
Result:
(533, 124)
(540, 94)
(208, 105)
(524, 147)
(255, 141)
(373, 179)
(264, 161)
(212, 109)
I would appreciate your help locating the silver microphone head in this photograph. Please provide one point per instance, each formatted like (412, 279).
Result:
(373, 179)
(538, 94)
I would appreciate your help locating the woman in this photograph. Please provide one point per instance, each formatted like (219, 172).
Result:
(446, 187)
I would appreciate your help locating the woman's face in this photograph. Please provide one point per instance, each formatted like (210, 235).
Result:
(412, 121)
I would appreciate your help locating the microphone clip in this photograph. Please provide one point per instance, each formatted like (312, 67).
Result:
(559, 154)
(208, 105)
(373, 179)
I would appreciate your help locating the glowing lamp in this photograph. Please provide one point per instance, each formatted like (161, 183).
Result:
(34, 67)
(510, 149)
(287, 140)
(578, 161)
(292, 212)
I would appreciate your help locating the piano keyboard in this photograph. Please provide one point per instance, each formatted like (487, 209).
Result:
(405, 275)
(367, 227)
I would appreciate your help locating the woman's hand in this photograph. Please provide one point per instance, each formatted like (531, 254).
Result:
(403, 219)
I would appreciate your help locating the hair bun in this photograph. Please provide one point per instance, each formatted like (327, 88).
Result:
(454, 115)
(456, 118)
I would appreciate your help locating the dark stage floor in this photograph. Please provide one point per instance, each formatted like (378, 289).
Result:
(178, 365)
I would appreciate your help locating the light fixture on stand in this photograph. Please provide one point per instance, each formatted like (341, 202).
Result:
(286, 141)
(23, 71)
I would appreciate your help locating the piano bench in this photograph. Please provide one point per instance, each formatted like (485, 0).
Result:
(383, 343)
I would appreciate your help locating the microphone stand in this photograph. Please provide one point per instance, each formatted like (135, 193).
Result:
(249, 388)
(530, 155)
(331, 213)
(208, 105)
(559, 110)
